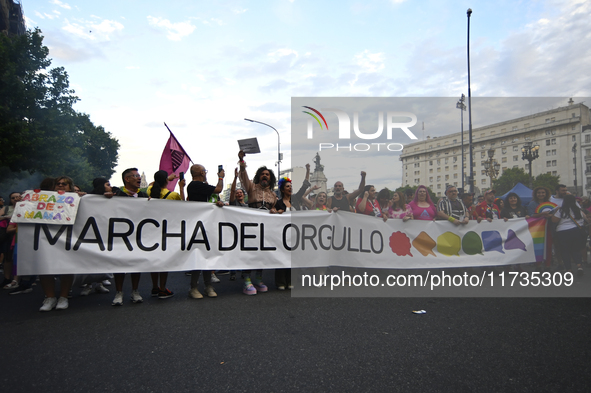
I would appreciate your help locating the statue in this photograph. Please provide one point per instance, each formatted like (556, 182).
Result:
(318, 167)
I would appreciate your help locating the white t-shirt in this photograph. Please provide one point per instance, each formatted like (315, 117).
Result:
(566, 223)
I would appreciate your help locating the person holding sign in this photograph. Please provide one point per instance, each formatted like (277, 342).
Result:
(63, 184)
(131, 189)
(260, 196)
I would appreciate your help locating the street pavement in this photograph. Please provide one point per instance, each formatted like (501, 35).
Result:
(274, 342)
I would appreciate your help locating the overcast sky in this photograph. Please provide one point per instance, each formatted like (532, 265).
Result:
(202, 67)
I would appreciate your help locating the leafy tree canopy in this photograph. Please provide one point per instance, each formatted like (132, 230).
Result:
(40, 132)
(512, 176)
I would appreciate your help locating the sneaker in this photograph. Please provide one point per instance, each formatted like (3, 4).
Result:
(249, 289)
(86, 290)
(118, 301)
(188, 274)
(155, 292)
(48, 304)
(233, 277)
(214, 278)
(223, 272)
(258, 283)
(210, 292)
(195, 294)
(281, 287)
(107, 283)
(136, 297)
(165, 294)
(11, 285)
(100, 288)
(290, 286)
(21, 289)
(83, 285)
(62, 303)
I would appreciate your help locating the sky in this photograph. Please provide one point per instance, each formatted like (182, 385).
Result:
(202, 67)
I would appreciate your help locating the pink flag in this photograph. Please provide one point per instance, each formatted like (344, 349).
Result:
(174, 159)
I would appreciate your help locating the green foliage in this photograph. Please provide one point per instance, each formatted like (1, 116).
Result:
(547, 180)
(40, 132)
(509, 179)
(512, 176)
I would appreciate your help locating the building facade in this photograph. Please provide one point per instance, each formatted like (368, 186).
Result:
(563, 135)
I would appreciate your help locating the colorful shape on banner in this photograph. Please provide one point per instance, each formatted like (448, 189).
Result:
(400, 244)
(537, 229)
(472, 243)
(492, 241)
(513, 242)
(546, 207)
(449, 244)
(424, 244)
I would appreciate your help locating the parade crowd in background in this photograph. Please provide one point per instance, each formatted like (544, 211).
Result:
(566, 245)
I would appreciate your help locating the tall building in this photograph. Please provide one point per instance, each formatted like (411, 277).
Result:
(563, 135)
(12, 19)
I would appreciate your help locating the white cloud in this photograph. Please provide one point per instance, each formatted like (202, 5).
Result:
(60, 4)
(132, 67)
(279, 53)
(29, 21)
(239, 11)
(39, 14)
(397, 1)
(175, 31)
(370, 62)
(92, 30)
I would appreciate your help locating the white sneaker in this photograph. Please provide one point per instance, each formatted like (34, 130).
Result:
(62, 303)
(118, 301)
(48, 304)
(86, 290)
(106, 283)
(13, 284)
(195, 294)
(136, 297)
(210, 292)
(214, 278)
(100, 288)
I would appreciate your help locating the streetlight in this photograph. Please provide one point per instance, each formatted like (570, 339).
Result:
(530, 152)
(460, 105)
(469, 13)
(279, 157)
(575, 171)
(491, 166)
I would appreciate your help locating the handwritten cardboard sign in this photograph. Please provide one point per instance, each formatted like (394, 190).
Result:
(47, 207)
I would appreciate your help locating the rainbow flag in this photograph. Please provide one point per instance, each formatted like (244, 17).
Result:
(537, 229)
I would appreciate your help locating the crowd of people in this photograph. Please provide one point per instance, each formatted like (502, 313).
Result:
(567, 223)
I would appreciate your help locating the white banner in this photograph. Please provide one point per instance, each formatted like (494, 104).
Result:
(141, 235)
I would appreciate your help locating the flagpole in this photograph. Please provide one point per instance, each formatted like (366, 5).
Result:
(178, 143)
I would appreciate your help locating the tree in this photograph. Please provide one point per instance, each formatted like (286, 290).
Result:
(547, 180)
(434, 198)
(40, 132)
(509, 179)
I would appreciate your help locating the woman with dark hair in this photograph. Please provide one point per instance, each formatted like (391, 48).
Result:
(65, 184)
(571, 234)
(500, 203)
(368, 204)
(513, 208)
(158, 190)
(539, 195)
(422, 207)
(398, 207)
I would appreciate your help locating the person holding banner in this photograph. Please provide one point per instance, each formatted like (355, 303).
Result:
(571, 232)
(158, 190)
(422, 207)
(368, 204)
(398, 208)
(131, 189)
(451, 208)
(199, 191)
(343, 201)
(64, 184)
(487, 210)
(260, 196)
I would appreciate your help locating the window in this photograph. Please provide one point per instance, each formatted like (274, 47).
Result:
(418, 165)
(439, 186)
(554, 173)
(431, 170)
(483, 181)
(514, 128)
(446, 168)
(455, 167)
(503, 142)
(483, 173)
(515, 139)
(483, 154)
(504, 159)
(587, 138)
(455, 175)
(515, 158)
(526, 125)
(455, 141)
(550, 141)
(504, 150)
(439, 169)
(438, 178)
(431, 179)
(431, 163)
(547, 120)
(455, 159)
(446, 160)
(574, 139)
(515, 148)
(553, 162)
(439, 162)
(446, 177)
(527, 167)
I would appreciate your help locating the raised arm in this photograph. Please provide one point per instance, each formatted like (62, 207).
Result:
(233, 187)
(244, 180)
(351, 196)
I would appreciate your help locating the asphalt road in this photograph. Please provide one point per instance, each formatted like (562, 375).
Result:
(275, 342)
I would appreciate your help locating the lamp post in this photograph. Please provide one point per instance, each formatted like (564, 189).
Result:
(575, 171)
(279, 158)
(530, 152)
(491, 166)
(460, 105)
(469, 13)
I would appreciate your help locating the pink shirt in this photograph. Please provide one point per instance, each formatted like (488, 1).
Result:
(423, 213)
(399, 213)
